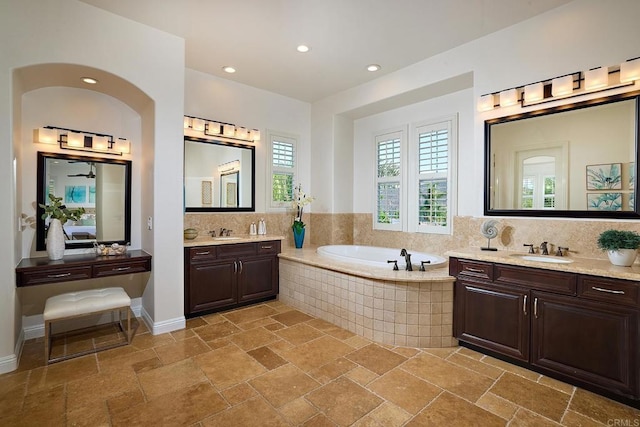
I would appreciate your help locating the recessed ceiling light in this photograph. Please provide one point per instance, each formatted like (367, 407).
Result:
(303, 48)
(228, 69)
(89, 80)
(373, 67)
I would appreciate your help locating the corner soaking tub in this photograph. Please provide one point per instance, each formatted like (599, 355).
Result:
(375, 256)
(355, 288)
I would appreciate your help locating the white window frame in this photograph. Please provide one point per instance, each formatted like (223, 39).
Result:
(274, 136)
(451, 124)
(381, 136)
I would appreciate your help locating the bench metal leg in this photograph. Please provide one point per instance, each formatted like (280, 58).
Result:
(48, 339)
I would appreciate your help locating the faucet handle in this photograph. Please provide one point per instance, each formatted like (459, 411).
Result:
(530, 247)
(395, 264)
(560, 249)
(212, 233)
(228, 232)
(422, 263)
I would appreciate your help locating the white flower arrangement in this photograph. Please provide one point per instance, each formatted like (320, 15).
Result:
(300, 200)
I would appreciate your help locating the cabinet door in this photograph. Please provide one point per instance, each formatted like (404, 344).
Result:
(212, 285)
(492, 317)
(588, 341)
(258, 278)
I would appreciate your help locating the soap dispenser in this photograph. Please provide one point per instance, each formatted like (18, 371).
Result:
(252, 229)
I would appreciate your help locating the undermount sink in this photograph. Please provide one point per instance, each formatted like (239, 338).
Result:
(542, 258)
(226, 238)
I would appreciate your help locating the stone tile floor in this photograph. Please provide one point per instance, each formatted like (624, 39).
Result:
(271, 365)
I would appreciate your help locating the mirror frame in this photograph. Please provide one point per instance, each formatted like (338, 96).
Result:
(488, 211)
(252, 148)
(40, 227)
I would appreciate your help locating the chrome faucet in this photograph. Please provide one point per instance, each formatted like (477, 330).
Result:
(407, 259)
(543, 248)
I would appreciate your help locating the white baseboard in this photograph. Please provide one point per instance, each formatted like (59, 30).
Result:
(165, 326)
(33, 326)
(10, 363)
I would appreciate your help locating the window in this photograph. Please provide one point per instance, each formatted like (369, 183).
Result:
(388, 181)
(432, 177)
(283, 170)
(418, 197)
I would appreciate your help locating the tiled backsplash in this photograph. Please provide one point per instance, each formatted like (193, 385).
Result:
(578, 235)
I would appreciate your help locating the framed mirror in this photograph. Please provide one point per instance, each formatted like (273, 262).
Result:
(99, 185)
(578, 160)
(219, 176)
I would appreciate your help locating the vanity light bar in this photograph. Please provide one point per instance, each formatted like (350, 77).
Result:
(220, 130)
(566, 86)
(79, 140)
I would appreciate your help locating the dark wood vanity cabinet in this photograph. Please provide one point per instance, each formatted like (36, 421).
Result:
(578, 328)
(229, 275)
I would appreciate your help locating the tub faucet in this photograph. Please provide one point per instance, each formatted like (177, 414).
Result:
(543, 248)
(407, 259)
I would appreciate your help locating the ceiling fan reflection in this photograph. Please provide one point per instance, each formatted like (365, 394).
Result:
(89, 175)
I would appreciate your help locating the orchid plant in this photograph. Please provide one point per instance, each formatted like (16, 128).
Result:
(300, 200)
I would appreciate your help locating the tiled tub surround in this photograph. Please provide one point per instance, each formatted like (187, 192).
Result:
(578, 235)
(412, 309)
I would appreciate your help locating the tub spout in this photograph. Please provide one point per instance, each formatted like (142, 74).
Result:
(407, 259)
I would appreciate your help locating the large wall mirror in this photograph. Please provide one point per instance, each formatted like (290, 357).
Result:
(578, 160)
(218, 176)
(101, 186)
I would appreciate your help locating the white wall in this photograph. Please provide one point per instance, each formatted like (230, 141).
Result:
(83, 110)
(364, 130)
(578, 36)
(152, 61)
(211, 97)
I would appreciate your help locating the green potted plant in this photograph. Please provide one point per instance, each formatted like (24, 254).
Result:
(621, 246)
(58, 215)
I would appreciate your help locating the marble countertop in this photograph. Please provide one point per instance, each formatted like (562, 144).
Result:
(308, 255)
(240, 238)
(592, 266)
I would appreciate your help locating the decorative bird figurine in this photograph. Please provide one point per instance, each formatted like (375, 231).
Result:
(489, 230)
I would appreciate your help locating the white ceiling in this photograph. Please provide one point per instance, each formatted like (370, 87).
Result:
(259, 37)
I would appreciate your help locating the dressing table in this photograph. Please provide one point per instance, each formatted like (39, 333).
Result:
(41, 271)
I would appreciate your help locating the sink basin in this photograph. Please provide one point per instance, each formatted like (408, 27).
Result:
(226, 238)
(542, 258)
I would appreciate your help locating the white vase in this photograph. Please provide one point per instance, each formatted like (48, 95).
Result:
(622, 257)
(55, 240)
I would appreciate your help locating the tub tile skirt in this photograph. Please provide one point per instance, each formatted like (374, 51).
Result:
(414, 314)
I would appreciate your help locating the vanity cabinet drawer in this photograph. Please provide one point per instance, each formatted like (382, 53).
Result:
(236, 250)
(40, 277)
(118, 268)
(272, 247)
(477, 269)
(544, 280)
(203, 253)
(609, 290)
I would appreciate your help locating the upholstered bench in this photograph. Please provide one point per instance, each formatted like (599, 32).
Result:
(85, 303)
